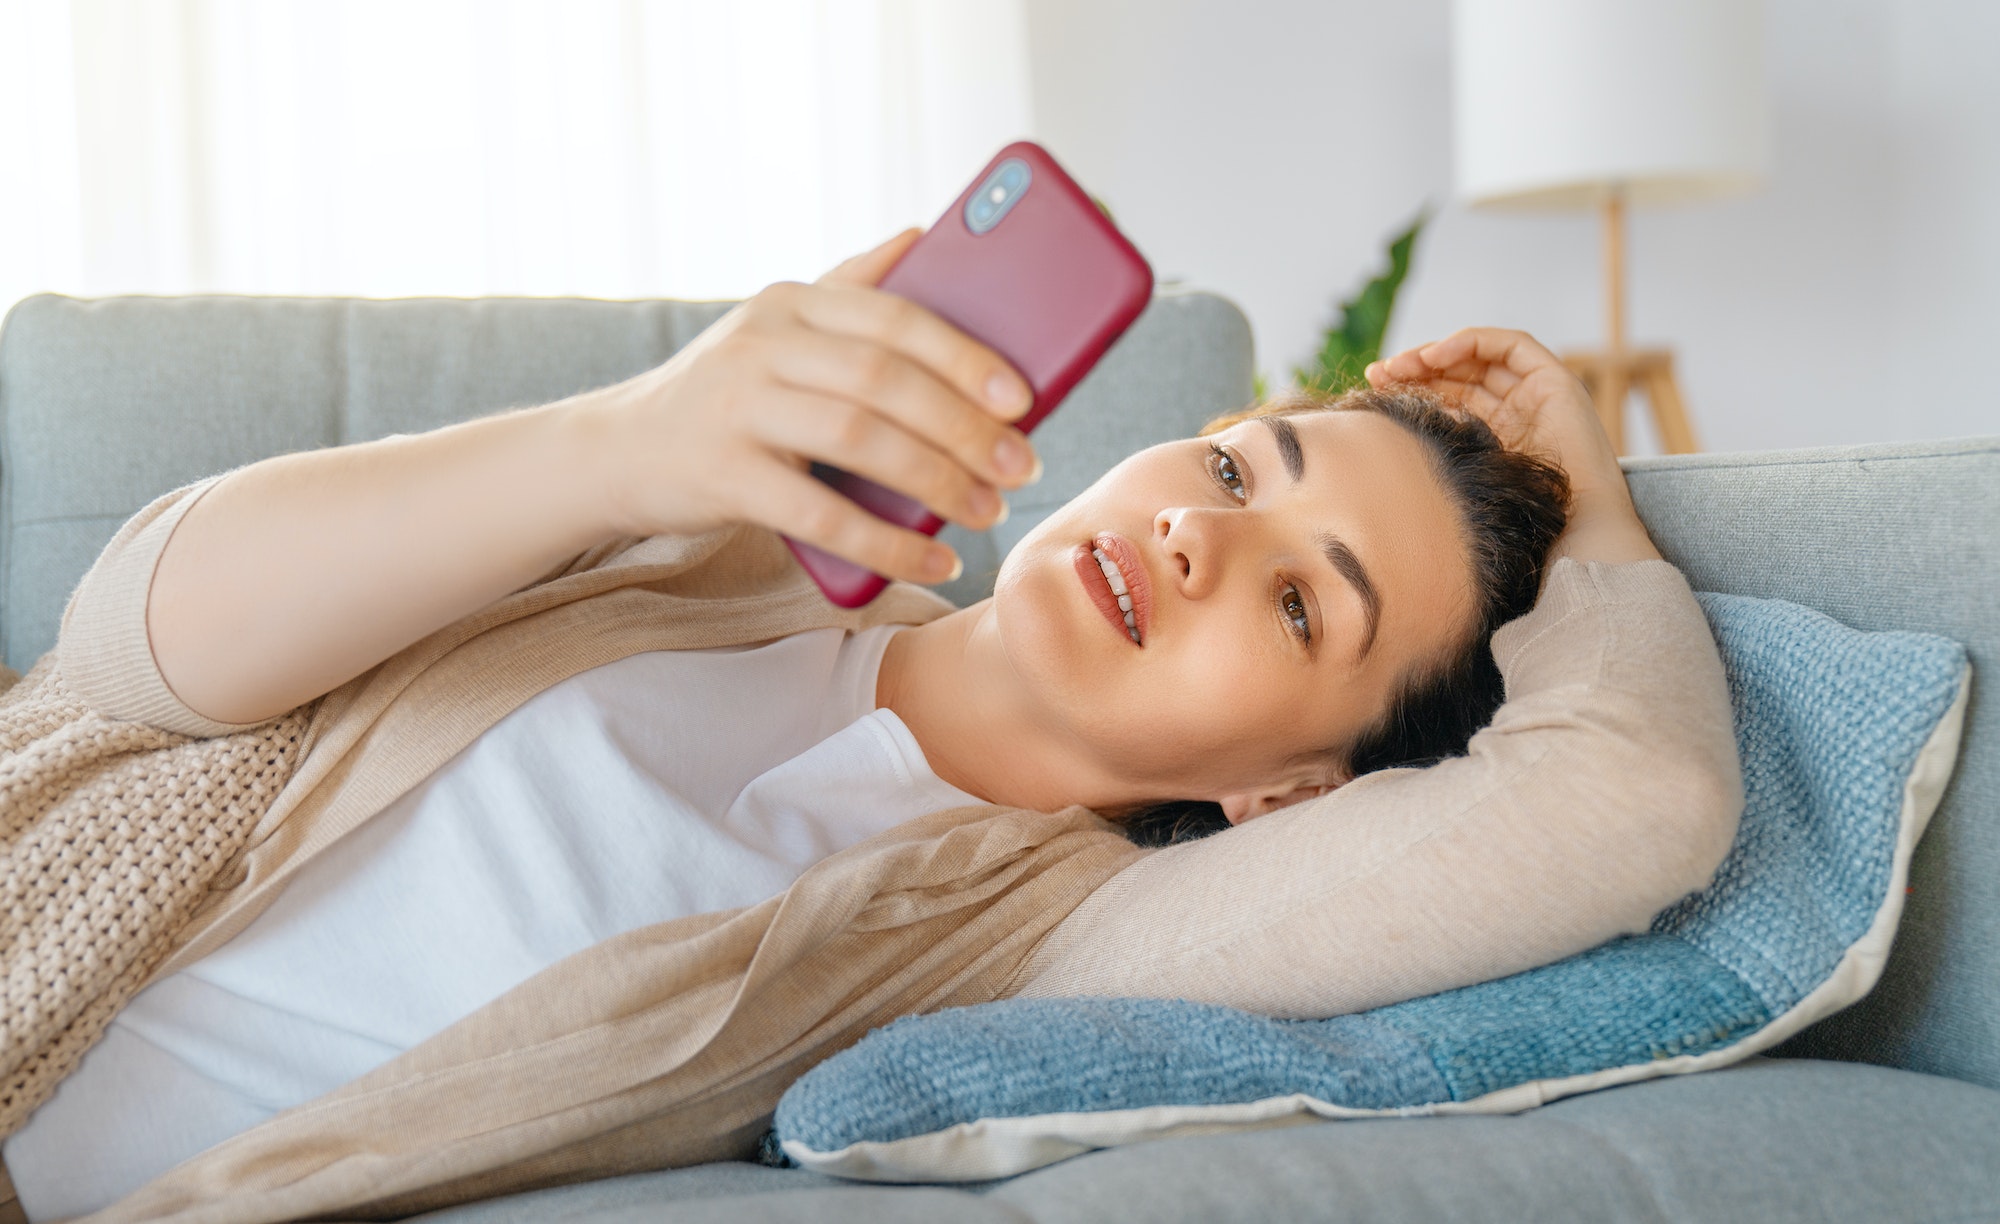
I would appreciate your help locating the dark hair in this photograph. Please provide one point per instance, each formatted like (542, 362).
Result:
(1513, 506)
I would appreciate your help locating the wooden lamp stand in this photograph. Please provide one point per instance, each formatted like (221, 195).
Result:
(1611, 373)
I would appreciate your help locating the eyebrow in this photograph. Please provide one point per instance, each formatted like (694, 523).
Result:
(1342, 559)
(1289, 449)
(1335, 549)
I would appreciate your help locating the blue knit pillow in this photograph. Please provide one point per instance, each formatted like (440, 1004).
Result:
(1847, 740)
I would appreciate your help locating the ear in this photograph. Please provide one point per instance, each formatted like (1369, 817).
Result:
(1250, 804)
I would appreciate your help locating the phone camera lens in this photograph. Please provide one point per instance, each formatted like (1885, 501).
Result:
(997, 195)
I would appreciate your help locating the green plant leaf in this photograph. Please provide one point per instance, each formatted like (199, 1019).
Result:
(1355, 338)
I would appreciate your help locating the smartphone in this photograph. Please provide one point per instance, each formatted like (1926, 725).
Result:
(1026, 263)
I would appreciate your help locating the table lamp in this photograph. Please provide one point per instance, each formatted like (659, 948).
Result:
(1610, 104)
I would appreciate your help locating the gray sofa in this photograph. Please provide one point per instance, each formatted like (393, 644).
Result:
(1889, 1111)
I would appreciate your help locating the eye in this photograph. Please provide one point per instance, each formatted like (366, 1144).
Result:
(1226, 470)
(1293, 606)
(1223, 467)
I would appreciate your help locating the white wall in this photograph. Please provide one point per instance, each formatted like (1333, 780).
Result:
(1267, 148)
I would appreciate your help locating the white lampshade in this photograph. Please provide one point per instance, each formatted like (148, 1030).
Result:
(1560, 101)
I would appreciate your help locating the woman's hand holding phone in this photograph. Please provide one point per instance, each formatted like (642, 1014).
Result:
(835, 372)
(295, 574)
(359, 550)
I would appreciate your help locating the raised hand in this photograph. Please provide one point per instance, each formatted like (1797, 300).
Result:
(838, 372)
(1534, 404)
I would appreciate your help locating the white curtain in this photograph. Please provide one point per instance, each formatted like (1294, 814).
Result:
(616, 148)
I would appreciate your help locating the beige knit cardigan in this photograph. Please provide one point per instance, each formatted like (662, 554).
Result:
(140, 836)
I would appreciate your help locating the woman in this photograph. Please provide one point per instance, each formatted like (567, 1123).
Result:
(1241, 621)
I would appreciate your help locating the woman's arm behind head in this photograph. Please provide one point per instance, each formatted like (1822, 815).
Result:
(1606, 789)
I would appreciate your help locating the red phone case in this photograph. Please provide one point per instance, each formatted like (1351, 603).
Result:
(1049, 287)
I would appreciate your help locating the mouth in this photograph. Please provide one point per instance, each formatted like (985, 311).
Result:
(1115, 579)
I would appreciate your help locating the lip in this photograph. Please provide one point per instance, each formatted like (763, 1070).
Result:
(1138, 584)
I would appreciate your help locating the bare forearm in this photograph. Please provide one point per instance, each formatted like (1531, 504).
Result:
(296, 574)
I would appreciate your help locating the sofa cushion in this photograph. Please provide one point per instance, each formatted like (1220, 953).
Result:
(1847, 739)
(1776, 1142)
(1895, 536)
(1779, 1141)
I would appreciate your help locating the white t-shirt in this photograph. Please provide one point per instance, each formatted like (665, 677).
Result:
(666, 784)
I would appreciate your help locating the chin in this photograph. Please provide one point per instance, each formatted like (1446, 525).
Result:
(1052, 636)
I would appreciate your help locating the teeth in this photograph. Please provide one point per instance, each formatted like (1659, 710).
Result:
(1113, 576)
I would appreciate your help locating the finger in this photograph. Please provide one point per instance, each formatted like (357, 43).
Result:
(910, 395)
(1459, 346)
(1495, 378)
(1516, 350)
(858, 440)
(1454, 383)
(869, 267)
(800, 506)
(979, 373)
(1498, 379)
(1409, 365)
(1472, 396)
(1470, 385)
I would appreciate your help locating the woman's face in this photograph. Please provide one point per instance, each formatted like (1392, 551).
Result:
(1285, 575)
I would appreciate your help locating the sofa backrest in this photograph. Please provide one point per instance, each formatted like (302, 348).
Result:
(1900, 536)
(106, 404)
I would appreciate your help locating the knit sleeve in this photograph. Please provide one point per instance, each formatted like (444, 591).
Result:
(1606, 788)
(102, 648)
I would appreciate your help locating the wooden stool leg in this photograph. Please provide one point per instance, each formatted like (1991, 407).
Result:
(1669, 414)
(1609, 392)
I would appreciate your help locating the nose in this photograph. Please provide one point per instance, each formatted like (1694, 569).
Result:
(1197, 540)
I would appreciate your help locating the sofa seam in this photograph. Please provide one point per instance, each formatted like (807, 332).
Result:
(47, 520)
(1598, 1140)
(1724, 462)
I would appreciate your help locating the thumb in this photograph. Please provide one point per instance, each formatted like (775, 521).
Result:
(869, 267)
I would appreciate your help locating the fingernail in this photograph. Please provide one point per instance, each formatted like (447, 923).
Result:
(1007, 393)
(1012, 456)
(986, 503)
(1037, 473)
(943, 565)
(1005, 510)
